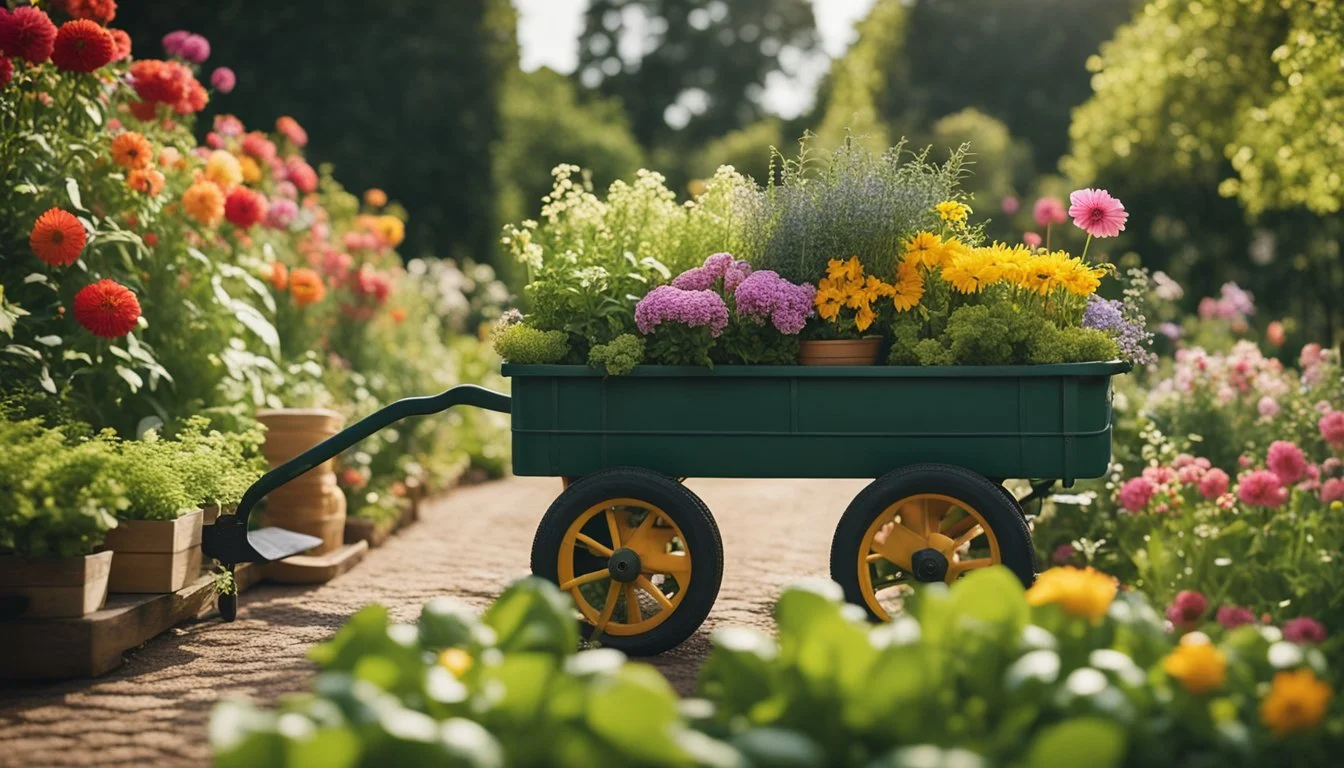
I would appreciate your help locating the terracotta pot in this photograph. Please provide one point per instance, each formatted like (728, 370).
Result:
(57, 587)
(155, 556)
(840, 351)
(311, 503)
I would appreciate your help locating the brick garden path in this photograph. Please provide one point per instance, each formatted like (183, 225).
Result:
(154, 708)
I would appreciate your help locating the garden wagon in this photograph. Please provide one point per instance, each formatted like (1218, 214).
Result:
(641, 554)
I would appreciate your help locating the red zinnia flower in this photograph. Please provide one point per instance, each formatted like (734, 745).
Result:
(27, 33)
(122, 41)
(101, 11)
(162, 81)
(82, 46)
(195, 99)
(57, 238)
(6, 69)
(144, 110)
(243, 208)
(151, 239)
(107, 309)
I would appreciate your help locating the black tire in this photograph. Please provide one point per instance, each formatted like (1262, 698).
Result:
(228, 606)
(678, 502)
(998, 507)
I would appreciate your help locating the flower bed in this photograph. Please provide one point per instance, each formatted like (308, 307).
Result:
(879, 252)
(1069, 672)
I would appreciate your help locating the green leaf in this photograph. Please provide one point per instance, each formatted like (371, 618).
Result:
(130, 377)
(992, 595)
(49, 341)
(72, 189)
(45, 380)
(636, 712)
(23, 351)
(1088, 741)
(534, 615)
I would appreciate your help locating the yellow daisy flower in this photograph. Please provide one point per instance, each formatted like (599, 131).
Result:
(1082, 592)
(1297, 701)
(1197, 664)
(925, 249)
(952, 211)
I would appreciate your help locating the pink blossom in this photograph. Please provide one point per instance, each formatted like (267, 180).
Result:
(694, 309)
(1262, 488)
(1286, 461)
(287, 189)
(1233, 616)
(301, 173)
(1268, 407)
(1031, 240)
(1187, 609)
(1159, 475)
(1214, 483)
(1135, 494)
(281, 213)
(1190, 474)
(1332, 490)
(1245, 460)
(214, 140)
(1182, 460)
(1304, 631)
(1064, 553)
(1275, 334)
(1097, 213)
(1310, 356)
(1331, 467)
(194, 48)
(223, 80)
(1208, 308)
(172, 42)
(1010, 205)
(1332, 429)
(1049, 210)
(228, 125)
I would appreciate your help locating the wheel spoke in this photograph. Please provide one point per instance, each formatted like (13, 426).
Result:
(633, 613)
(587, 578)
(961, 526)
(595, 546)
(607, 608)
(956, 569)
(913, 519)
(613, 527)
(970, 533)
(657, 594)
(665, 562)
(899, 545)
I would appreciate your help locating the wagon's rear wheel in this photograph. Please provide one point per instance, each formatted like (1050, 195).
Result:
(639, 553)
(925, 523)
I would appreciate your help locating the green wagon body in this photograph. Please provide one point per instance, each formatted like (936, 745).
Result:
(1043, 421)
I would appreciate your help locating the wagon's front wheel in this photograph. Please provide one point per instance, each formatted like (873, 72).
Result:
(925, 523)
(639, 553)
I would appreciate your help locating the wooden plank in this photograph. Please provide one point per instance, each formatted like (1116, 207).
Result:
(53, 571)
(156, 535)
(316, 569)
(154, 572)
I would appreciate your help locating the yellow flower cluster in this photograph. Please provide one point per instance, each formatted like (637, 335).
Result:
(1197, 664)
(1297, 701)
(971, 270)
(846, 287)
(952, 211)
(1082, 592)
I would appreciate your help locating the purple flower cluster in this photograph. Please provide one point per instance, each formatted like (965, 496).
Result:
(764, 295)
(1128, 331)
(691, 308)
(720, 266)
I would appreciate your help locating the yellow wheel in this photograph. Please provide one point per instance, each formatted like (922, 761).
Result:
(921, 524)
(639, 554)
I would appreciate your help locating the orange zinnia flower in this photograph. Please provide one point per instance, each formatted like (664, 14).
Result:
(279, 276)
(204, 202)
(147, 181)
(107, 309)
(375, 198)
(57, 238)
(132, 151)
(305, 285)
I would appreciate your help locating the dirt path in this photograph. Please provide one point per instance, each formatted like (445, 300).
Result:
(154, 708)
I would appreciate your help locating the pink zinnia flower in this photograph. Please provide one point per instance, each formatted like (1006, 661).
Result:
(223, 79)
(1097, 213)
(194, 48)
(1332, 429)
(1304, 630)
(1233, 616)
(1332, 490)
(1286, 461)
(1031, 240)
(172, 42)
(1049, 210)
(1187, 609)
(1135, 494)
(1214, 483)
(1262, 488)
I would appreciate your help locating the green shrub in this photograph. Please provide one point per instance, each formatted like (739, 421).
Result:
(620, 356)
(525, 345)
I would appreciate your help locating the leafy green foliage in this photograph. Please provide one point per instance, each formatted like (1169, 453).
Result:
(974, 675)
(677, 344)
(528, 346)
(619, 357)
(747, 341)
(995, 333)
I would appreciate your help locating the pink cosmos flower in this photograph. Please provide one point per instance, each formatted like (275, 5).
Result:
(1135, 494)
(1031, 240)
(1214, 483)
(1286, 461)
(1332, 429)
(1304, 630)
(1262, 488)
(1097, 213)
(1332, 490)
(1049, 210)
(1233, 616)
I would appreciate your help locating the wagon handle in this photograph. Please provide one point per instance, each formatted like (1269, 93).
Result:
(227, 541)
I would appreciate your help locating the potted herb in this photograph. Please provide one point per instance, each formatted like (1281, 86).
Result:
(56, 505)
(157, 542)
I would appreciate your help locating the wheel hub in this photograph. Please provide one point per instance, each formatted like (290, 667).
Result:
(624, 565)
(929, 565)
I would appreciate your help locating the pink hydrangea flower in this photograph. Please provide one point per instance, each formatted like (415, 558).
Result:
(1276, 334)
(718, 267)
(1097, 213)
(1304, 630)
(1286, 461)
(1233, 616)
(1135, 494)
(1262, 488)
(1187, 609)
(1332, 429)
(228, 125)
(1214, 483)
(1049, 210)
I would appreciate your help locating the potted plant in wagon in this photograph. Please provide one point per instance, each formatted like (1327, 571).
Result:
(56, 504)
(847, 303)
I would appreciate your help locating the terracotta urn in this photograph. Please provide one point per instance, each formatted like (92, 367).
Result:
(840, 351)
(311, 503)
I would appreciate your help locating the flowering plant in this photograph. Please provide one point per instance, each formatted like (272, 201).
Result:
(681, 325)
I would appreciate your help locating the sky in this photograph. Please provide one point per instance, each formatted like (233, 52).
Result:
(548, 32)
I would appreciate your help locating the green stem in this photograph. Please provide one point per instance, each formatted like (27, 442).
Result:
(1085, 245)
(1047, 237)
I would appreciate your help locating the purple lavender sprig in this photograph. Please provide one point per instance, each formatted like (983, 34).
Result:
(1130, 332)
